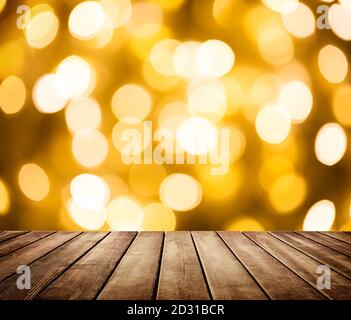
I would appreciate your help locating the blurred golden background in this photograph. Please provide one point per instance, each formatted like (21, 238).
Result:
(75, 74)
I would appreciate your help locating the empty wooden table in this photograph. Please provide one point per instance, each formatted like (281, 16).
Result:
(185, 265)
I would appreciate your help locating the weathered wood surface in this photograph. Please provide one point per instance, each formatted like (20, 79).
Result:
(175, 265)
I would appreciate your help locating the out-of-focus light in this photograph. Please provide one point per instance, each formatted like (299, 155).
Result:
(273, 168)
(158, 218)
(131, 103)
(146, 19)
(197, 136)
(339, 17)
(12, 58)
(185, 60)
(117, 11)
(300, 22)
(124, 214)
(33, 182)
(87, 218)
(12, 95)
(146, 179)
(215, 58)
(341, 108)
(141, 47)
(244, 224)
(207, 99)
(42, 29)
(265, 89)
(86, 20)
(116, 185)
(223, 12)
(294, 71)
(235, 94)
(333, 64)
(90, 148)
(50, 94)
(169, 5)
(330, 144)
(282, 6)
(220, 189)
(172, 115)
(346, 3)
(77, 76)
(90, 192)
(296, 98)
(161, 56)
(287, 193)
(158, 81)
(180, 192)
(320, 217)
(237, 143)
(124, 132)
(275, 45)
(273, 124)
(104, 37)
(4, 198)
(83, 113)
(2, 4)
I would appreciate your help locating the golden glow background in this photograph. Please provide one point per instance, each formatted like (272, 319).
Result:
(82, 71)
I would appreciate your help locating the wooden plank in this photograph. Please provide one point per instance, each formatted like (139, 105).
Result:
(267, 271)
(22, 241)
(47, 268)
(6, 235)
(226, 276)
(343, 236)
(328, 242)
(181, 276)
(336, 260)
(86, 278)
(135, 278)
(32, 252)
(303, 265)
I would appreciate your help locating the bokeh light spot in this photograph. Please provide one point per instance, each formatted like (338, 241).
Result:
(296, 98)
(320, 217)
(86, 20)
(180, 192)
(90, 192)
(158, 218)
(131, 102)
(333, 64)
(34, 182)
(12, 95)
(273, 124)
(124, 214)
(330, 144)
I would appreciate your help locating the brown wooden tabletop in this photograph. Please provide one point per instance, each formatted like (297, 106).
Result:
(175, 265)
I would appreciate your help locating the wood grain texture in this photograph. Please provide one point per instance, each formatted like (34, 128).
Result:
(181, 275)
(136, 275)
(175, 265)
(32, 252)
(6, 235)
(336, 260)
(87, 276)
(343, 236)
(267, 271)
(22, 241)
(226, 277)
(303, 265)
(327, 241)
(47, 268)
